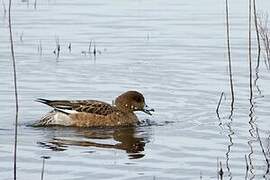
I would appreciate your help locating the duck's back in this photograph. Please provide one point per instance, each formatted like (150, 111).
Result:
(87, 106)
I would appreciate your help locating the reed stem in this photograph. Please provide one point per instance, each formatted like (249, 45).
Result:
(15, 92)
(229, 57)
(249, 52)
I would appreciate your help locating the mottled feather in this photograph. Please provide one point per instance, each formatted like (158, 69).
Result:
(87, 106)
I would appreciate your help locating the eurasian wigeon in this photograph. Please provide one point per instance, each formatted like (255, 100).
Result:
(92, 113)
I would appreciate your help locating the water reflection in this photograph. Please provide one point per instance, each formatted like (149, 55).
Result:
(253, 135)
(132, 140)
(230, 133)
(257, 69)
(230, 145)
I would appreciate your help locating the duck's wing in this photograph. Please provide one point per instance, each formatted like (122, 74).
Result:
(87, 106)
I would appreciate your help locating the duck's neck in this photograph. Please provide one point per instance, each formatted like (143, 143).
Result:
(124, 108)
(121, 104)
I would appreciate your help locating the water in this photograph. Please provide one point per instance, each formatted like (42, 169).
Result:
(173, 52)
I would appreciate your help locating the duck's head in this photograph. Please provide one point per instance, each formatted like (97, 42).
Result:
(132, 101)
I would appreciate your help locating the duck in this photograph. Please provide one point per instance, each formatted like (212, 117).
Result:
(94, 113)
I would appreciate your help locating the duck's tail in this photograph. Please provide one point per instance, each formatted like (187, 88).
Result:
(46, 120)
(53, 118)
(44, 101)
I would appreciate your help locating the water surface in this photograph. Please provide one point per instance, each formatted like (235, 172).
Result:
(174, 52)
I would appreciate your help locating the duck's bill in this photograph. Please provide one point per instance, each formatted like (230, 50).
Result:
(148, 110)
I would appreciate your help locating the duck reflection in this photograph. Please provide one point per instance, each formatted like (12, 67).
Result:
(131, 139)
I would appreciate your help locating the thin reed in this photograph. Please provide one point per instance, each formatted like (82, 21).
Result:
(247, 166)
(258, 47)
(220, 172)
(257, 34)
(264, 33)
(249, 51)
(15, 92)
(35, 4)
(263, 151)
(43, 166)
(218, 105)
(229, 57)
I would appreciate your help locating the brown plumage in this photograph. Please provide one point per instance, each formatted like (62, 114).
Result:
(92, 113)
